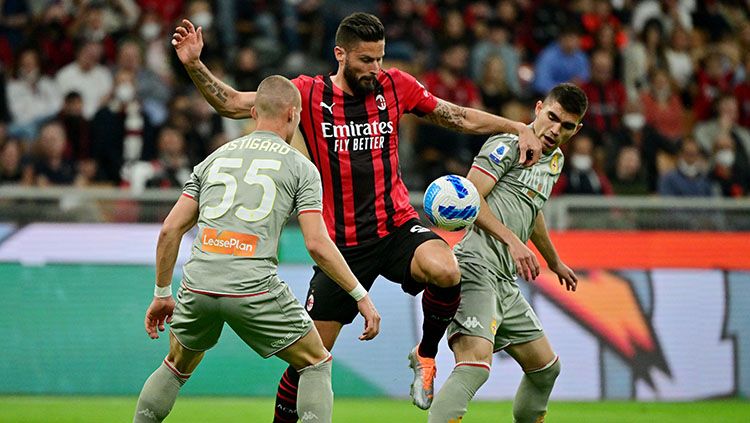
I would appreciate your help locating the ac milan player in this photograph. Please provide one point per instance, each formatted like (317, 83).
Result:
(349, 128)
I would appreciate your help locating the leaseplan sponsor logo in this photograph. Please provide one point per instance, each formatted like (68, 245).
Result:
(605, 304)
(228, 242)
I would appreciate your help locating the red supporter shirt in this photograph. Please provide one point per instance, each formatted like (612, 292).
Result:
(353, 141)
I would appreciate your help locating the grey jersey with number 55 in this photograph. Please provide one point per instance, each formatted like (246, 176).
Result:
(246, 190)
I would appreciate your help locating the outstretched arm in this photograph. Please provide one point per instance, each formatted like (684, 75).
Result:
(527, 265)
(540, 238)
(473, 121)
(183, 216)
(188, 43)
(325, 254)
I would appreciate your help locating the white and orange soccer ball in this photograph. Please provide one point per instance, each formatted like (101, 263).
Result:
(451, 202)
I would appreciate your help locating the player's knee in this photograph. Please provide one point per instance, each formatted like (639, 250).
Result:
(445, 274)
(546, 376)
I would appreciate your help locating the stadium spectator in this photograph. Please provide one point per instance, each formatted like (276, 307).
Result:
(497, 43)
(51, 37)
(726, 122)
(561, 61)
(641, 55)
(156, 53)
(494, 315)
(679, 59)
(221, 285)
(152, 90)
(87, 76)
(34, 96)
(121, 132)
(595, 20)
(77, 128)
(689, 178)
(714, 80)
(742, 92)
(732, 178)
(247, 70)
(606, 95)
(14, 168)
(50, 165)
(16, 16)
(545, 21)
(406, 33)
(172, 166)
(422, 261)
(493, 86)
(441, 150)
(581, 177)
(662, 106)
(628, 176)
(669, 13)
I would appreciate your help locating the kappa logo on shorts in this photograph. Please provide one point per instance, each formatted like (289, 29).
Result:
(418, 229)
(309, 416)
(472, 323)
(310, 302)
(228, 242)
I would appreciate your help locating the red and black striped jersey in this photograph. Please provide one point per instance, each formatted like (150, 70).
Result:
(353, 141)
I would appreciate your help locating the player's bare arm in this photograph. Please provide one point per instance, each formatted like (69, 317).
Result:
(325, 254)
(474, 121)
(188, 43)
(526, 262)
(540, 238)
(181, 218)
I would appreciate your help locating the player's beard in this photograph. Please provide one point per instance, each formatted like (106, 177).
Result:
(360, 86)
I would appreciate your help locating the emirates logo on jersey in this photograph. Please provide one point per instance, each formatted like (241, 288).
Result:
(380, 102)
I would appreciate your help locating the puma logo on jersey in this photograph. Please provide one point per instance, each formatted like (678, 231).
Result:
(308, 416)
(330, 108)
(418, 229)
(472, 323)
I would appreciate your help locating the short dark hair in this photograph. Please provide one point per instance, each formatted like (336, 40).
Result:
(359, 27)
(571, 98)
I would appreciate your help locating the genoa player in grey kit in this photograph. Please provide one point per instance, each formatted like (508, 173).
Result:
(241, 196)
(493, 314)
(349, 129)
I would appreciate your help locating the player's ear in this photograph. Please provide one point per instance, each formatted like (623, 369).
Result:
(538, 108)
(339, 53)
(254, 113)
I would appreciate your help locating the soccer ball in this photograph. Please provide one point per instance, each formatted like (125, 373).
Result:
(451, 202)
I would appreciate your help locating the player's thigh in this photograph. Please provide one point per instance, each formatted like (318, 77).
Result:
(532, 355)
(401, 264)
(196, 321)
(329, 331)
(471, 348)
(182, 359)
(520, 326)
(270, 322)
(306, 351)
(478, 314)
(327, 301)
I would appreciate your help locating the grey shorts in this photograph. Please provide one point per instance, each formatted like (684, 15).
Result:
(267, 322)
(493, 309)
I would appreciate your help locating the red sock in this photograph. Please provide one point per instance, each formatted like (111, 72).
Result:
(285, 410)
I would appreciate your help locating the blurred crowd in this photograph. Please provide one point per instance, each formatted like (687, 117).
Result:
(93, 94)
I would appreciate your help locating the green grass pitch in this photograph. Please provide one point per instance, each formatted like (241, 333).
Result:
(37, 409)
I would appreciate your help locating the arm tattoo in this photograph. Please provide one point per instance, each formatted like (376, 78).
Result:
(448, 115)
(207, 85)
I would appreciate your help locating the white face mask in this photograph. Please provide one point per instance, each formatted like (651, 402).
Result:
(689, 170)
(725, 158)
(125, 92)
(204, 19)
(150, 31)
(581, 162)
(634, 121)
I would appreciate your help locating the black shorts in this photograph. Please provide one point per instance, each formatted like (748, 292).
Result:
(389, 256)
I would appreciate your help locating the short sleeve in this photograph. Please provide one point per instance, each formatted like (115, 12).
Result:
(192, 187)
(413, 94)
(309, 196)
(497, 156)
(303, 84)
